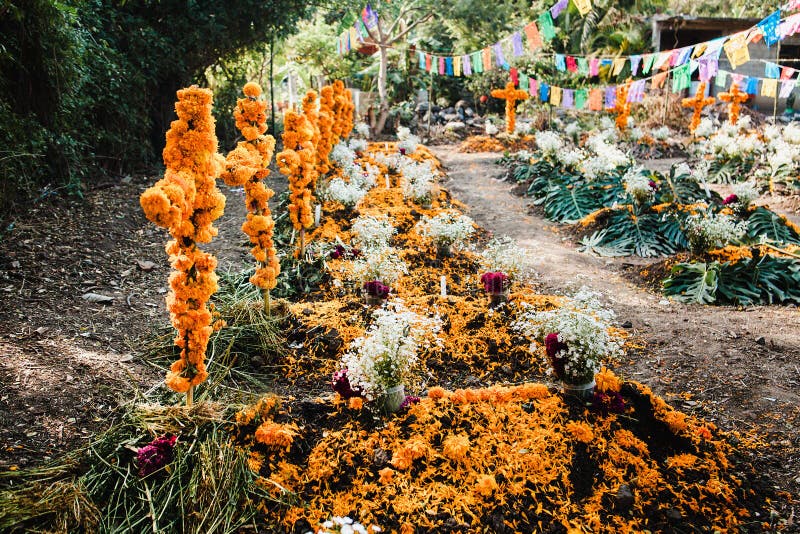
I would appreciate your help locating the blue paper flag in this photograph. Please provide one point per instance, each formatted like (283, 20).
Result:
(448, 66)
(771, 70)
(751, 87)
(544, 92)
(561, 62)
(770, 28)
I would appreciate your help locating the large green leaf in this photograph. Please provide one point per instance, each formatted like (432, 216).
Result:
(568, 203)
(646, 235)
(767, 224)
(683, 189)
(693, 282)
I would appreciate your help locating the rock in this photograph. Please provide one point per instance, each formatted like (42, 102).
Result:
(308, 312)
(627, 324)
(761, 340)
(674, 515)
(507, 370)
(450, 117)
(145, 265)
(455, 126)
(380, 457)
(97, 298)
(624, 499)
(472, 380)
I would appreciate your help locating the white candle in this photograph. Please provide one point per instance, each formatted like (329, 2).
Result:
(388, 185)
(443, 286)
(386, 147)
(317, 214)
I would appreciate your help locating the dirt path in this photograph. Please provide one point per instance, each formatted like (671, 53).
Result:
(738, 368)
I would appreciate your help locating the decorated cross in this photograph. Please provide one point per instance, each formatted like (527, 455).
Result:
(735, 97)
(698, 102)
(510, 95)
(622, 107)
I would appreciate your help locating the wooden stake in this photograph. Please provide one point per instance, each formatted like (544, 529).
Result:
(190, 396)
(777, 91)
(267, 301)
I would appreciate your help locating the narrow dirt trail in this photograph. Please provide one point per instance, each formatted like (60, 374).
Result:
(738, 368)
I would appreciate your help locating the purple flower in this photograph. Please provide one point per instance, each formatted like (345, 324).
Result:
(341, 385)
(355, 252)
(408, 402)
(338, 252)
(494, 282)
(730, 199)
(155, 455)
(403, 151)
(377, 289)
(552, 347)
(609, 402)
(653, 185)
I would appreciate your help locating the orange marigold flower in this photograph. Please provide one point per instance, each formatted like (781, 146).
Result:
(607, 381)
(356, 403)
(437, 393)
(456, 447)
(580, 431)
(486, 485)
(386, 475)
(276, 435)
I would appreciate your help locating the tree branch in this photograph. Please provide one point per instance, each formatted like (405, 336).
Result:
(413, 25)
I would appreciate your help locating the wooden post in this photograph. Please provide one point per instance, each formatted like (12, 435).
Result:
(267, 301)
(272, 85)
(777, 92)
(190, 396)
(666, 98)
(430, 104)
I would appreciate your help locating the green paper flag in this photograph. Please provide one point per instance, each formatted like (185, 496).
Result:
(583, 66)
(648, 63)
(477, 62)
(581, 95)
(681, 78)
(722, 79)
(546, 27)
(523, 83)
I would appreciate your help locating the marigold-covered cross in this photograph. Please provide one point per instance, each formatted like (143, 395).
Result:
(698, 102)
(510, 94)
(622, 107)
(735, 97)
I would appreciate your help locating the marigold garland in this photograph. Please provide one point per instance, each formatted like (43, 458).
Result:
(343, 109)
(698, 102)
(186, 201)
(297, 161)
(247, 165)
(311, 112)
(510, 94)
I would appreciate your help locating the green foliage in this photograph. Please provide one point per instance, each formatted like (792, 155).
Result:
(570, 202)
(683, 189)
(765, 224)
(647, 235)
(760, 280)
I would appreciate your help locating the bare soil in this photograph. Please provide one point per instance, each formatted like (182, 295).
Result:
(66, 363)
(739, 368)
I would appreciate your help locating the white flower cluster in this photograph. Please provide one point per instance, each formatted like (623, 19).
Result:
(791, 133)
(713, 231)
(682, 169)
(637, 185)
(705, 128)
(549, 142)
(358, 145)
(583, 325)
(406, 140)
(384, 357)
(349, 194)
(342, 155)
(447, 228)
(372, 232)
(635, 133)
(390, 160)
(606, 159)
(571, 157)
(490, 128)
(362, 129)
(573, 130)
(418, 179)
(732, 145)
(344, 525)
(661, 134)
(746, 193)
(781, 156)
(381, 264)
(505, 255)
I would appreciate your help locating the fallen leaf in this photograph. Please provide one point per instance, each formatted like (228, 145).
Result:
(98, 298)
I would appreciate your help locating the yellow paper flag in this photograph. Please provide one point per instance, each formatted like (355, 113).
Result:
(737, 51)
(769, 87)
(619, 64)
(555, 96)
(584, 6)
(457, 65)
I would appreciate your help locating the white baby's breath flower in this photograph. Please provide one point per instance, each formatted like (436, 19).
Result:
(550, 143)
(713, 231)
(705, 128)
(372, 232)
(505, 255)
(447, 228)
(661, 134)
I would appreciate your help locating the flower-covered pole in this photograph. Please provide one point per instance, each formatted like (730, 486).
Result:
(247, 166)
(327, 106)
(311, 111)
(698, 102)
(510, 95)
(186, 202)
(735, 98)
(325, 125)
(297, 161)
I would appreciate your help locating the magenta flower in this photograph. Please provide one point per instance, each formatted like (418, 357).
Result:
(730, 199)
(341, 385)
(653, 185)
(155, 455)
(377, 289)
(403, 151)
(408, 402)
(553, 347)
(610, 402)
(494, 282)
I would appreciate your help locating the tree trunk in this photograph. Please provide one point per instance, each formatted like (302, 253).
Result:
(383, 110)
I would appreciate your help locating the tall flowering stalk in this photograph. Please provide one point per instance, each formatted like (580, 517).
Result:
(186, 202)
(311, 111)
(343, 109)
(297, 162)
(622, 107)
(247, 165)
(325, 124)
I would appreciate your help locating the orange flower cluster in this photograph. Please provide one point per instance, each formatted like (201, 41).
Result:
(309, 105)
(698, 102)
(622, 107)
(343, 108)
(735, 98)
(297, 161)
(247, 166)
(186, 201)
(510, 94)
(485, 143)
(327, 138)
